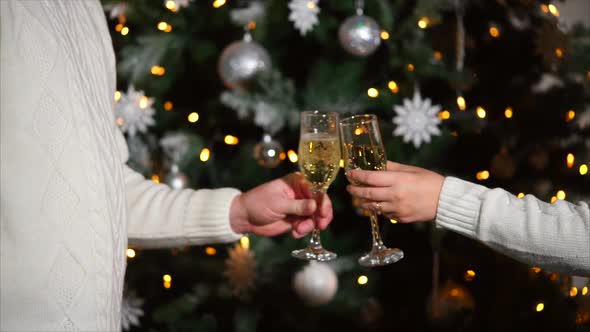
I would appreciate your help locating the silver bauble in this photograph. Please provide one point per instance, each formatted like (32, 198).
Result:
(360, 35)
(240, 61)
(176, 179)
(268, 152)
(316, 284)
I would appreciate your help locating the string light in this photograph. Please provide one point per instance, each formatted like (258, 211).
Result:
(553, 9)
(520, 195)
(494, 31)
(210, 251)
(540, 306)
(143, 102)
(231, 140)
(292, 156)
(461, 103)
(282, 156)
(205, 154)
(218, 3)
(341, 163)
(384, 35)
(311, 5)
(373, 93)
(124, 31)
(570, 115)
(410, 67)
(392, 85)
(560, 195)
(168, 106)
(583, 169)
(251, 25)
(362, 280)
(553, 199)
(483, 175)
(481, 112)
(171, 5)
(119, 27)
(437, 56)
(455, 133)
(469, 275)
(444, 115)
(393, 221)
(245, 242)
(423, 22)
(158, 70)
(117, 95)
(508, 112)
(544, 8)
(167, 281)
(570, 160)
(559, 52)
(573, 292)
(163, 26)
(536, 269)
(156, 178)
(130, 253)
(193, 117)
(585, 291)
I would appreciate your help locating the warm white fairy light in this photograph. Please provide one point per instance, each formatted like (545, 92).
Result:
(205, 155)
(193, 117)
(362, 280)
(230, 140)
(292, 156)
(373, 93)
(210, 251)
(130, 253)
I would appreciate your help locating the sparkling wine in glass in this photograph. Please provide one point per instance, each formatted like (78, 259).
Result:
(319, 162)
(363, 148)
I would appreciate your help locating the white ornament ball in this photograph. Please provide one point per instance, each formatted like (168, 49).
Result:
(360, 35)
(240, 61)
(268, 152)
(316, 284)
(176, 179)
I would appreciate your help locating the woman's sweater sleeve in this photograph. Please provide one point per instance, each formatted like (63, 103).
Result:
(554, 236)
(163, 217)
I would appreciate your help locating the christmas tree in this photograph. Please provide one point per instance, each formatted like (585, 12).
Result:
(495, 92)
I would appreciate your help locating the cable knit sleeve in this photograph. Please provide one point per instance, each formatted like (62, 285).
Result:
(163, 217)
(554, 236)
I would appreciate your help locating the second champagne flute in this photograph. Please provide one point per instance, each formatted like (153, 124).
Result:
(363, 148)
(319, 161)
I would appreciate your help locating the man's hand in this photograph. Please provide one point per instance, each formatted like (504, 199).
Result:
(278, 206)
(405, 193)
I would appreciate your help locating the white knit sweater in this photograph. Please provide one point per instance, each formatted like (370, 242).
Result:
(68, 202)
(554, 236)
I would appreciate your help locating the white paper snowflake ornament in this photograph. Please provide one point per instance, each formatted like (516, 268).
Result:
(304, 14)
(131, 311)
(417, 120)
(134, 112)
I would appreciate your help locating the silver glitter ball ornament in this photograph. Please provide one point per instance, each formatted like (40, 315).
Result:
(268, 152)
(240, 61)
(176, 179)
(360, 35)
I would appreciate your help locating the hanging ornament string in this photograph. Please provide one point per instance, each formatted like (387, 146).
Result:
(460, 46)
(360, 7)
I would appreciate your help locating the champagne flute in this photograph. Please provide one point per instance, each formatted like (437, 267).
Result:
(363, 148)
(319, 161)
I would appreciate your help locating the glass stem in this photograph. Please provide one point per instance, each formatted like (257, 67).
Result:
(314, 241)
(377, 243)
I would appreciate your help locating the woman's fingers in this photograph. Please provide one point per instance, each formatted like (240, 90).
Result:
(370, 193)
(371, 178)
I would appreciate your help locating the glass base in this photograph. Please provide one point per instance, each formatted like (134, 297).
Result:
(314, 254)
(381, 256)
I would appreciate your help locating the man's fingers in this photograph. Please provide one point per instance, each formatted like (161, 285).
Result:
(273, 229)
(297, 207)
(397, 167)
(370, 193)
(302, 228)
(371, 178)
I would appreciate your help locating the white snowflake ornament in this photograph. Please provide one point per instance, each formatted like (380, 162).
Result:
(304, 14)
(134, 111)
(242, 16)
(417, 120)
(175, 146)
(175, 5)
(131, 311)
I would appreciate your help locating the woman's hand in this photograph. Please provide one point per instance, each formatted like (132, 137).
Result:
(404, 193)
